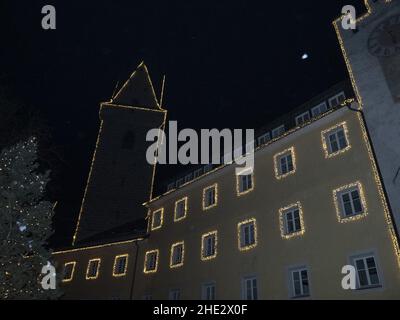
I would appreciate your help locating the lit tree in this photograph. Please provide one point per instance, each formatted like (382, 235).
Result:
(25, 223)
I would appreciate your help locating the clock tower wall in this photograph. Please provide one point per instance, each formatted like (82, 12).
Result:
(374, 67)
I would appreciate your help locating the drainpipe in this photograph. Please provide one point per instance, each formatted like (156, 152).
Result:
(135, 266)
(378, 169)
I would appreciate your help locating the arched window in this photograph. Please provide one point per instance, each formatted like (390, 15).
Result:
(128, 141)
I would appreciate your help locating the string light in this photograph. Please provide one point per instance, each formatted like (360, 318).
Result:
(340, 215)
(153, 253)
(116, 272)
(278, 156)
(238, 184)
(203, 255)
(282, 224)
(174, 247)
(96, 275)
(215, 188)
(389, 222)
(239, 234)
(159, 212)
(185, 208)
(327, 132)
(71, 275)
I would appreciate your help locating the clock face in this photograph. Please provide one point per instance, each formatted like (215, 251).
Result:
(384, 41)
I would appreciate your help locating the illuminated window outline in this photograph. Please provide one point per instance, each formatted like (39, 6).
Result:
(88, 277)
(148, 253)
(277, 164)
(185, 199)
(324, 136)
(303, 118)
(171, 259)
(282, 221)
(73, 263)
(239, 233)
(339, 205)
(203, 237)
(215, 187)
(238, 184)
(126, 256)
(153, 227)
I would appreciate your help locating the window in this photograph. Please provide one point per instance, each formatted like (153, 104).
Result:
(350, 202)
(180, 182)
(198, 172)
(291, 221)
(302, 118)
(209, 245)
(264, 139)
(244, 183)
(151, 261)
(335, 140)
(148, 297)
(188, 177)
(171, 186)
(319, 109)
(337, 100)
(300, 286)
(208, 291)
(92, 271)
(177, 255)
(69, 269)
(285, 163)
(249, 288)
(210, 197)
(157, 220)
(120, 265)
(208, 167)
(278, 131)
(180, 209)
(367, 272)
(174, 294)
(247, 234)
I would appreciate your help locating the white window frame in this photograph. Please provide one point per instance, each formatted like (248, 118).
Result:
(214, 189)
(336, 99)
(160, 213)
(302, 118)
(245, 186)
(174, 253)
(278, 131)
(364, 257)
(177, 206)
(348, 192)
(266, 137)
(244, 288)
(299, 270)
(291, 212)
(335, 132)
(319, 107)
(90, 276)
(71, 275)
(205, 247)
(174, 294)
(149, 255)
(205, 293)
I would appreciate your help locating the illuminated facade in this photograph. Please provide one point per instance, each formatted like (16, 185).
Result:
(318, 204)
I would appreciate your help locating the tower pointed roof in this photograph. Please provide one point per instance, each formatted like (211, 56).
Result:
(138, 90)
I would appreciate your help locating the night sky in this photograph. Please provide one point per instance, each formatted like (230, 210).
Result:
(228, 64)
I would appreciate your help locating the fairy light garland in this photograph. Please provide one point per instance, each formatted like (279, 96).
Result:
(174, 247)
(203, 238)
(88, 269)
(185, 208)
(71, 276)
(159, 212)
(282, 222)
(117, 258)
(215, 188)
(239, 234)
(278, 156)
(325, 134)
(155, 254)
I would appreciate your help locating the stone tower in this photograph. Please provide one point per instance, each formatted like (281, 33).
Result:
(120, 178)
(372, 54)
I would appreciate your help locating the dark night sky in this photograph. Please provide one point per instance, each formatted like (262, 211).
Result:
(234, 64)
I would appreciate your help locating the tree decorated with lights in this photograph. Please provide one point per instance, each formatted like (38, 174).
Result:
(25, 223)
